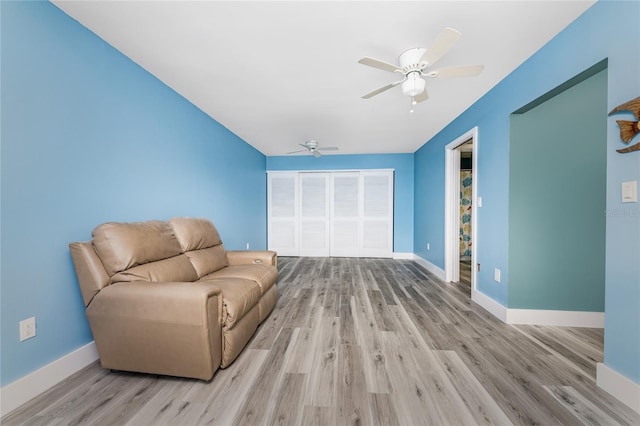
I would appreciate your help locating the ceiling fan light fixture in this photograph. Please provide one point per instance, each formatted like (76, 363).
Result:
(413, 85)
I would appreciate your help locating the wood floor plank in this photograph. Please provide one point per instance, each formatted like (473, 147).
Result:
(232, 387)
(289, 402)
(352, 400)
(368, 339)
(481, 405)
(256, 404)
(164, 405)
(361, 341)
(302, 350)
(407, 387)
(321, 389)
(383, 411)
(317, 416)
(585, 411)
(347, 327)
(381, 314)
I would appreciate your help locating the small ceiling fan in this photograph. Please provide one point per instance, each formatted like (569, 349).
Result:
(414, 64)
(312, 147)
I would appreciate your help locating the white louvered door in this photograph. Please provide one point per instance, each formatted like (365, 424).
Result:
(345, 214)
(342, 214)
(283, 226)
(377, 214)
(314, 214)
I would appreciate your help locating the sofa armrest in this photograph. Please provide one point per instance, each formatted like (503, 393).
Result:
(175, 302)
(171, 328)
(245, 257)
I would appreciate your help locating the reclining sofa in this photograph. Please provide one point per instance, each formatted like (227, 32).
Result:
(167, 298)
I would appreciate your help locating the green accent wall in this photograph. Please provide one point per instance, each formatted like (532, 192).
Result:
(557, 188)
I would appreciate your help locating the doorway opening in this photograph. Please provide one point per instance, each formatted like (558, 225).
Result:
(460, 209)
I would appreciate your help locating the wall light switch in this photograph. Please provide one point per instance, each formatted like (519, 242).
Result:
(630, 192)
(479, 201)
(496, 275)
(27, 328)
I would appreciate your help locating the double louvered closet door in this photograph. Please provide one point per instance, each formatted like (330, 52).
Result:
(346, 214)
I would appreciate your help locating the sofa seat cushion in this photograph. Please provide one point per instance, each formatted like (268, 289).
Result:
(239, 296)
(264, 275)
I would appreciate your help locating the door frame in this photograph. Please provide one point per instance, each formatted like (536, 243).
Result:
(452, 208)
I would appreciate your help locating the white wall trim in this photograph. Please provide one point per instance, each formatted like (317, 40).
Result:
(619, 386)
(22, 390)
(490, 305)
(555, 318)
(538, 316)
(403, 256)
(435, 270)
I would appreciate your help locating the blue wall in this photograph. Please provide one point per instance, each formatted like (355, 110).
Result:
(556, 201)
(609, 29)
(403, 191)
(88, 137)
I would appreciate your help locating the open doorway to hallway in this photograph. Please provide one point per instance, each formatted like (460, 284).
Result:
(465, 239)
(460, 209)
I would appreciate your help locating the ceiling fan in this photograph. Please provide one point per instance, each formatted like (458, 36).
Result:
(414, 64)
(312, 147)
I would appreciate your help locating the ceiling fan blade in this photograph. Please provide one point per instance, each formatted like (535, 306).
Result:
(329, 148)
(421, 97)
(295, 152)
(445, 41)
(382, 89)
(375, 63)
(316, 153)
(460, 71)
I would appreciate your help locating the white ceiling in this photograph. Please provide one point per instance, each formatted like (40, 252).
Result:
(278, 73)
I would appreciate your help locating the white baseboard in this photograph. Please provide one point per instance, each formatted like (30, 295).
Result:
(555, 318)
(22, 390)
(403, 256)
(619, 386)
(538, 316)
(435, 270)
(493, 307)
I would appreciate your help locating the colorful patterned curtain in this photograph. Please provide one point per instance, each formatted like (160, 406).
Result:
(465, 214)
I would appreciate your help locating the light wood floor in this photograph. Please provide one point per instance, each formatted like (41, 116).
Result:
(362, 342)
(465, 271)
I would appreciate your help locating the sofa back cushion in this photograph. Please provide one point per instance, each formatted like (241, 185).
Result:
(206, 261)
(122, 246)
(173, 269)
(200, 241)
(194, 233)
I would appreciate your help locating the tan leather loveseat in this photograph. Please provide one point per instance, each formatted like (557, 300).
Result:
(167, 298)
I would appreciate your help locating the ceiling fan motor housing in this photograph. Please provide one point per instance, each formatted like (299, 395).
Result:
(411, 66)
(409, 60)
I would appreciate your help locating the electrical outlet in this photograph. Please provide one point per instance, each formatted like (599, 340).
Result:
(496, 275)
(27, 328)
